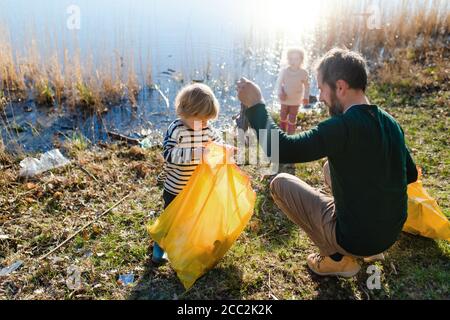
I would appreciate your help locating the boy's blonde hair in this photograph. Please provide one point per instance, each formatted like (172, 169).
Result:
(197, 100)
(299, 51)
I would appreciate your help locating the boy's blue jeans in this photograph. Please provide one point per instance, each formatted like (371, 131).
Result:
(157, 251)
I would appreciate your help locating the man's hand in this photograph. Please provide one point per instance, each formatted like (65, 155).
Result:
(249, 93)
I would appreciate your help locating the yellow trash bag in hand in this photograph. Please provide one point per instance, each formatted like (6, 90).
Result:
(425, 218)
(206, 218)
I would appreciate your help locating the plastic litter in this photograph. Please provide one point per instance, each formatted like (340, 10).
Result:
(31, 167)
(147, 143)
(126, 279)
(8, 270)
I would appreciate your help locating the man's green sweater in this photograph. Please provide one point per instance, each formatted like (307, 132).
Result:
(370, 169)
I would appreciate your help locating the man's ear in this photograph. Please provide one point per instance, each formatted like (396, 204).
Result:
(341, 87)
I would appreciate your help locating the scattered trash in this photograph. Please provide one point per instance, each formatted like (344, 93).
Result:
(8, 270)
(152, 214)
(126, 279)
(49, 160)
(73, 280)
(87, 254)
(147, 143)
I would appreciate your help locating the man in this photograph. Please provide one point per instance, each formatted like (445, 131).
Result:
(369, 168)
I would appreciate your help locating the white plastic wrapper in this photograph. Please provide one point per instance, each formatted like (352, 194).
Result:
(49, 160)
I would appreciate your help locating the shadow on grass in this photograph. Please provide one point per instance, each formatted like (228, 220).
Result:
(276, 228)
(162, 283)
(273, 224)
(415, 268)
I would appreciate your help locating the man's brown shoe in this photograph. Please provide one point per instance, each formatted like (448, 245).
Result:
(325, 266)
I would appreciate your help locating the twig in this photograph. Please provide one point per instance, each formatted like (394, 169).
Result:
(262, 206)
(83, 227)
(185, 292)
(118, 136)
(393, 268)
(271, 295)
(87, 172)
(367, 294)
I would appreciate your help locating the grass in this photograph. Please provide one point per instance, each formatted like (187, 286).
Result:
(267, 261)
(45, 94)
(3, 101)
(86, 96)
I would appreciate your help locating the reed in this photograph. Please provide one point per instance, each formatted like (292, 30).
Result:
(410, 28)
(413, 24)
(3, 100)
(44, 94)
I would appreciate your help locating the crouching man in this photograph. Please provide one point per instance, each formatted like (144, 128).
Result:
(368, 168)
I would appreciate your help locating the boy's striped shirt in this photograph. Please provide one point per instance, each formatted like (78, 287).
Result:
(182, 153)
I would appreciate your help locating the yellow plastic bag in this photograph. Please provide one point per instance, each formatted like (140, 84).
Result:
(425, 218)
(206, 218)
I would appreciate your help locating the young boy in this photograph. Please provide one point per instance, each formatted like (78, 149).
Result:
(293, 89)
(184, 142)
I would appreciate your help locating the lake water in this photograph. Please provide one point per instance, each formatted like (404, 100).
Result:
(212, 41)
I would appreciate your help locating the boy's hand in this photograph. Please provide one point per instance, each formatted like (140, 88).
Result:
(231, 151)
(305, 101)
(282, 96)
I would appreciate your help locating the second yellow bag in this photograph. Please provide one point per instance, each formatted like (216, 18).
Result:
(425, 218)
(206, 218)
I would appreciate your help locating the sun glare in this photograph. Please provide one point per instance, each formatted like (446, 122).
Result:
(292, 17)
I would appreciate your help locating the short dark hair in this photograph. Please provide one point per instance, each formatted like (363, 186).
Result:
(343, 64)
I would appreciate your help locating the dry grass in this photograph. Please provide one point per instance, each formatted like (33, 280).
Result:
(56, 79)
(406, 24)
(3, 101)
(65, 79)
